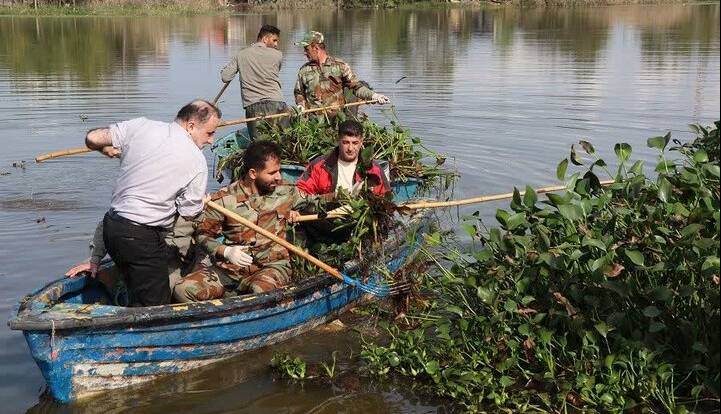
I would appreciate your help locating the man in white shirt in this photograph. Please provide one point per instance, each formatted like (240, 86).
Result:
(162, 173)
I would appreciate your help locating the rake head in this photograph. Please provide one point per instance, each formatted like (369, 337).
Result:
(381, 289)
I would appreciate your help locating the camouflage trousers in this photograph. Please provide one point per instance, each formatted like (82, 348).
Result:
(266, 108)
(214, 282)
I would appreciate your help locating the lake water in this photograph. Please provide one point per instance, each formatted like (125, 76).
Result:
(502, 92)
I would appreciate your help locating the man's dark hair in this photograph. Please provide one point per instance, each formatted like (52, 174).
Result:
(257, 153)
(268, 30)
(199, 111)
(350, 127)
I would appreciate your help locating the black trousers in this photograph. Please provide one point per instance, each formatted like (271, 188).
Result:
(141, 254)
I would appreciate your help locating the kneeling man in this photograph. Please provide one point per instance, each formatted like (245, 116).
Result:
(245, 261)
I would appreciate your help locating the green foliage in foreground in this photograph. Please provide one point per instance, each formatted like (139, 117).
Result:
(600, 299)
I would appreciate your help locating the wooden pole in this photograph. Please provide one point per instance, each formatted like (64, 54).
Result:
(483, 199)
(62, 153)
(407, 208)
(215, 101)
(284, 114)
(291, 247)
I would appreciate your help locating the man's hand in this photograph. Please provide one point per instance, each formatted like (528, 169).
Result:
(83, 267)
(237, 255)
(382, 99)
(298, 109)
(110, 151)
(355, 190)
(292, 216)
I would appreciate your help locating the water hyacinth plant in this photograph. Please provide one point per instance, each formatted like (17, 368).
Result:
(599, 299)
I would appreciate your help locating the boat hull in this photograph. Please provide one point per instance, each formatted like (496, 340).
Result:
(85, 349)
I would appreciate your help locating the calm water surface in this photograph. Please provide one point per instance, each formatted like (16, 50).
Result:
(503, 93)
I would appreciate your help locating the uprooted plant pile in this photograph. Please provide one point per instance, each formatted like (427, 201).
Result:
(308, 138)
(600, 299)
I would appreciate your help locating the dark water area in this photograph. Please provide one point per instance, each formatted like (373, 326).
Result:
(502, 92)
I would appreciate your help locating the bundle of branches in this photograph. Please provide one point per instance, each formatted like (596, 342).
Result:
(370, 219)
(308, 138)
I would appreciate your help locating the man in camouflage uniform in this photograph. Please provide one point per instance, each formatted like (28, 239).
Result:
(245, 261)
(321, 81)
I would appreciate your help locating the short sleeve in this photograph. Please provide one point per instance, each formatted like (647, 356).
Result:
(190, 200)
(123, 132)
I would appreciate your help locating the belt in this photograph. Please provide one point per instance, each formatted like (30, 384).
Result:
(117, 217)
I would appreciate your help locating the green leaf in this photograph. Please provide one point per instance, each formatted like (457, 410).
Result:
(587, 147)
(710, 265)
(469, 229)
(455, 309)
(665, 165)
(588, 241)
(637, 167)
(602, 328)
(484, 294)
(524, 329)
(561, 169)
(556, 199)
(530, 197)
(659, 142)
(506, 381)
(570, 212)
(502, 216)
(431, 367)
(656, 327)
(516, 220)
(651, 311)
(623, 151)
(662, 294)
(712, 169)
(664, 189)
(574, 157)
(700, 156)
(690, 230)
(635, 256)
(510, 306)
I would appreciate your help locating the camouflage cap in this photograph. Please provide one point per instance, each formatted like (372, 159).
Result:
(310, 38)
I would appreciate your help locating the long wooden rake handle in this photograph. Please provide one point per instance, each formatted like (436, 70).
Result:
(291, 247)
(215, 100)
(342, 211)
(62, 153)
(82, 150)
(284, 114)
(482, 199)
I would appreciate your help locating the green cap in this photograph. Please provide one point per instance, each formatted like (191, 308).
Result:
(310, 38)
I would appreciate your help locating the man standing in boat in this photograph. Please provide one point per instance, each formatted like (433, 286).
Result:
(162, 173)
(245, 261)
(322, 80)
(258, 66)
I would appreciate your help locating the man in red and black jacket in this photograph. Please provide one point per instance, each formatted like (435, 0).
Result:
(341, 168)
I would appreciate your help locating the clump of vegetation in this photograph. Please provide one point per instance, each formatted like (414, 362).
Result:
(601, 299)
(288, 365)
(310, 137)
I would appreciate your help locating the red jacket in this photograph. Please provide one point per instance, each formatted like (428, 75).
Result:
(321, 176)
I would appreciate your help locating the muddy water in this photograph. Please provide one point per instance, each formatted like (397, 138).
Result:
(502, 92)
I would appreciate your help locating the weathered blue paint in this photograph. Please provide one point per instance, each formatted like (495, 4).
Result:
(95, 347)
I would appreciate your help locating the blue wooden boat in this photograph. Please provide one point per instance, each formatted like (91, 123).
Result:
(85, 346)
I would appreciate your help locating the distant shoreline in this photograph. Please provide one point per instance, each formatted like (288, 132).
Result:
(213, 7)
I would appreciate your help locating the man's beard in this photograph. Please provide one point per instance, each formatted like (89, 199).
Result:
(265, 188)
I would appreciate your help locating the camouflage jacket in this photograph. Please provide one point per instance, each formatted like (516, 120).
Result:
(269, 212)
(322, 85)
